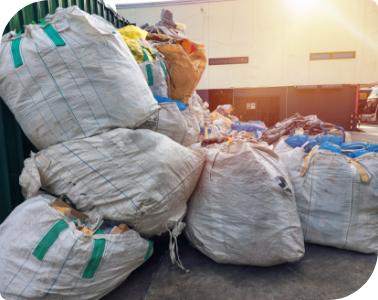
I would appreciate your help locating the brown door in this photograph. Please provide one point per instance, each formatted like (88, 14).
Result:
(220, 97)
(264, 109)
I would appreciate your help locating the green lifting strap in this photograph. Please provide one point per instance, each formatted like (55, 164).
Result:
(147, 49)
(145, 56)
(16, 53)
(163, 67)
(149, 250)
(95, 260)
(149, 75)
(54, 36)
(49, 239)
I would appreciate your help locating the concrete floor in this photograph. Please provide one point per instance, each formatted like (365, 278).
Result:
(323, 273)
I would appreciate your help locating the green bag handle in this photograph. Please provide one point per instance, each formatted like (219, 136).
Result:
(148, 250)
(54, 35)
(48, 240)
(150, 76)
(144, 49)
(51, 33)
(17, 60)
(147, 49)
(97, 255)
(145, 56)
(163, 67)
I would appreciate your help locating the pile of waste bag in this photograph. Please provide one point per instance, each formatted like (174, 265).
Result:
(128, 150)
(111, 170)
(310, 125)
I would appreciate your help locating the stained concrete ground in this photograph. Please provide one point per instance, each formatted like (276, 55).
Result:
(323, 273)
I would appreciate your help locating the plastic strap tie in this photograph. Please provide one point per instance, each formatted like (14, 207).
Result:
(49, 239)
(148, 254)
(338, 127)
(97, 254)
(54, 36)
(16, 53)
(173, 245)
(149, 75)
(307, 158)
(324, 131)
(163, 67)
(360, 169)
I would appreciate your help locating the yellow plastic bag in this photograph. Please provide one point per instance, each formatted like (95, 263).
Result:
(131, 35)
(132, 32)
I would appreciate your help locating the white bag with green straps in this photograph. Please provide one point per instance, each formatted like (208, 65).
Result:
(155, 73)
(72, 78)
(139, 177)
(44, 256)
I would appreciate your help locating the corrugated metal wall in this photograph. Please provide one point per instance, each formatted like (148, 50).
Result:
(14, 145)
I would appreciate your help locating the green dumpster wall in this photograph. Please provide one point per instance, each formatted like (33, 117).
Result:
(14, 145)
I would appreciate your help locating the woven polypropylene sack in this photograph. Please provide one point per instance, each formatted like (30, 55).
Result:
(239, 213)
(43, 255)
(72, 78)
(186, 70)
(180, 126)
(137, 176)
(155, 74)
(335, 206)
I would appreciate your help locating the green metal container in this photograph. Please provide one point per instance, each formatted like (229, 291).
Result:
(14, 145)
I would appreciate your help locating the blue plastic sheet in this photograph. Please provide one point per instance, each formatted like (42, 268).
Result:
(334, 139)
(356, 149)
(331, 147)
(299, 140)
(245, 127)
(181, 105)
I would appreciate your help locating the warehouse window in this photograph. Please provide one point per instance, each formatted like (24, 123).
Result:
(228, 61)
(333, 55)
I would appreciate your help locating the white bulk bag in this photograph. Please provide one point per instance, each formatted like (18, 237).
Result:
(140, 177)
(43, 255)
(72, 78)
(180, 126)
(336, 206)
(239, 213)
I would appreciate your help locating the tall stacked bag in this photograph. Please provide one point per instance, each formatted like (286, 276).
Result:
(74, 87)
(72, 78)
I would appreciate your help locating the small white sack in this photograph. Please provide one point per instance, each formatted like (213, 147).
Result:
(72, 78)
(75, 265)
(335, 207)
(180, 126)
(239, 213)
(137, 176)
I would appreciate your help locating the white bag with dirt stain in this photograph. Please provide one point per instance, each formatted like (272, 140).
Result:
(336, 207)
(139, 177)
(243, 209)
(44, 256)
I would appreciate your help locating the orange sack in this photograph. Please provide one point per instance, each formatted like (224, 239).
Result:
(188, 61)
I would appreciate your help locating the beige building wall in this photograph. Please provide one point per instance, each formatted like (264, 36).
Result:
(278, 37)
